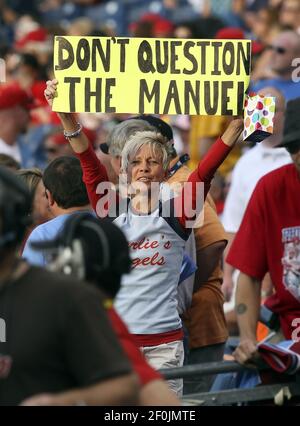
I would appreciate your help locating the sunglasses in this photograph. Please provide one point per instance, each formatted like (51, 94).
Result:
(293, 147)
(278, 49)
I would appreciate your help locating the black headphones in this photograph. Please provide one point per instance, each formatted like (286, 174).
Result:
(89, 247)
(15, 207)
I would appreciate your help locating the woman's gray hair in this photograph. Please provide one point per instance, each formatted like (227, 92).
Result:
(158, 143)
(121, 133)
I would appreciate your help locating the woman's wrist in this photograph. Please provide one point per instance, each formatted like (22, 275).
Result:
(73, 134)
(65, 115)
(69, 122)
(233, 132)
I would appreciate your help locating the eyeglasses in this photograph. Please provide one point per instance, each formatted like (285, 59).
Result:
(293, 147)
(278, 49)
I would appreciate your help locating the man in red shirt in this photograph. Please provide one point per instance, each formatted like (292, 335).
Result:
(269, 241)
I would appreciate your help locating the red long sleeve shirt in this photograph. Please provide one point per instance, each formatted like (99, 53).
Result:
(95, 173)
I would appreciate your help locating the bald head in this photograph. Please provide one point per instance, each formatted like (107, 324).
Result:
(285, 48)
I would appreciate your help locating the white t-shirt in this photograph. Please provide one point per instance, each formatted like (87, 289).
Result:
(147, 300)
(11, 150)
(254, 164)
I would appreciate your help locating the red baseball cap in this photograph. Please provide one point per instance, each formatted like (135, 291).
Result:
(230, 33)
(38, 35)
(162, 28)
(11, 94)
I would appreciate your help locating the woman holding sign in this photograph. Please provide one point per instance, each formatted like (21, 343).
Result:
(156, 230)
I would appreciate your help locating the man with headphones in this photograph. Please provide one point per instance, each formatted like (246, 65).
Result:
(51, 352)
(97, 252)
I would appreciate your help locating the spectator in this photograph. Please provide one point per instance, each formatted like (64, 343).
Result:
(104, 259)
(265, 29)
(14, 116)
(268, 241)
(32, 41)
(290, 14)
(33, 179)
(266, 26)
(285, 48)
(31, 77)
(185, 30)
(66, 195)
(114, 146)
(206, 337)
(45, 316)
(120, 133)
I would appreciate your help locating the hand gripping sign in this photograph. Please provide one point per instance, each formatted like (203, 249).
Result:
(160, 76)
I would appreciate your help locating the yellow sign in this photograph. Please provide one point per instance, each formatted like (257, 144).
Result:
(160, 76)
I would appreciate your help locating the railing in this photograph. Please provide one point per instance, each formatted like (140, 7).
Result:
(279, 393)
(201, 369)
